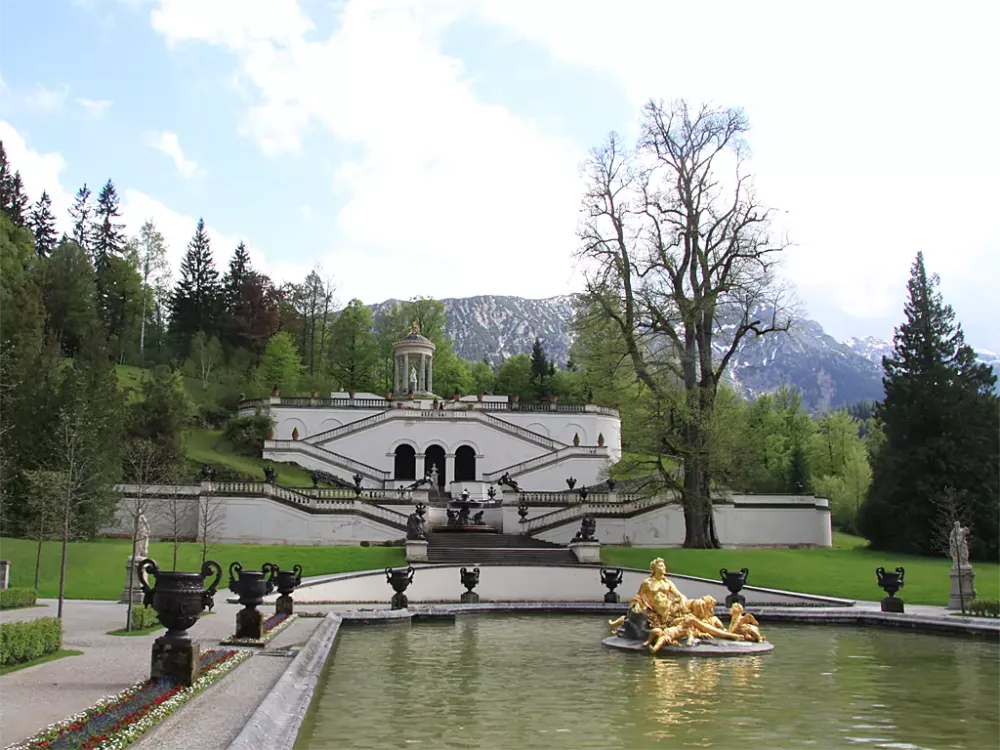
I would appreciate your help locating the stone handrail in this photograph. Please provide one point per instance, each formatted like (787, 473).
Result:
(381, 403)
(326, 455)
(349, 428)
(547, 458)
(521, 432)
(573, 512)
(568, 498)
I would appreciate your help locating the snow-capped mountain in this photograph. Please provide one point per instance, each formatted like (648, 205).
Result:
(827, 372)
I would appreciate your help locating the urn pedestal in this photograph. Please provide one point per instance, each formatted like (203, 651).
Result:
(735, 581)
(251, 586)
(966, 579)
(890, 582)
(175, 659)
(288, 581)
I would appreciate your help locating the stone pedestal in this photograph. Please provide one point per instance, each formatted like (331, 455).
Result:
(284, 605)
(612, 597)
(416, 550)
(967, 576)
(892, 604)
(4, 574)
(249, 624)
(469, 597)
(175, 659)
(735, 599)
(136, 593)
(588, 553)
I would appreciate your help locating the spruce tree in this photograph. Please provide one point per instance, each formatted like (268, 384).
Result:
(240, 270)
(196, 301)
(6, 180)
(541, 376)
(81, 212)
(942, 430)
(43, 224)
(108, 235)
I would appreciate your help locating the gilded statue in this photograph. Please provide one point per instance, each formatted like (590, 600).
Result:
(661, 613)
(415, 327)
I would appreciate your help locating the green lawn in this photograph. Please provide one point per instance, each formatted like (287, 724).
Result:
(847, 570)
(96, 570)
(203, 446)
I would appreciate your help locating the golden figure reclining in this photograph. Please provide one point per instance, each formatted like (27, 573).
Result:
(674, 619)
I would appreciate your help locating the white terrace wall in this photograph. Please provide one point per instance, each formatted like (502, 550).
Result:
(158, 503)
(259, 520)
(750, 521)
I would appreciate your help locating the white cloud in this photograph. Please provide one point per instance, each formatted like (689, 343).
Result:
(94, 108)
(305, 211)
(45, 101)
(440, 177)
(170, 144)
(38, 172)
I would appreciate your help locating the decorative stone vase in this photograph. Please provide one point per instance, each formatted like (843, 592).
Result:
(479, 397)
(600, 439)
(553, 399)
(399, 579)
(410, 395)
(351, 394)
(612, 578)
(287, 581)
(313, 393)
(251, 586)
(399, 404)
(470, 579)
(270, 435)
(388, 395)
(515, 398)
(295, 433)
(890, 582)
(522, 511)
(178, 599)
(275, 391)
(735, 581)
(458, 395)
(576, 438)
(571, 482)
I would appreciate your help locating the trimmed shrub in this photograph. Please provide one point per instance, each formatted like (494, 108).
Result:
(247, 434)
(984, 607)
(14, 598)
(143, 617)
(29, 640)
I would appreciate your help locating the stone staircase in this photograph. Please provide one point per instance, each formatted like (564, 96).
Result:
(471, 548)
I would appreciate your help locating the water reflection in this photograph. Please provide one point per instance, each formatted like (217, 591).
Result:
(546, 682)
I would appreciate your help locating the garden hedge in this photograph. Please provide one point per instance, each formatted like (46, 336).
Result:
(14, 598)
(143, 617)
(29, 640)
(984, 607)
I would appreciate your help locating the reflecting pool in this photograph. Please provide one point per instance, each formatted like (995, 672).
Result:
(545, 681)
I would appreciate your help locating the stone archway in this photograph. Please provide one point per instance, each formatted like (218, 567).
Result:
(465, 464)
(405, 465)
(434, 456)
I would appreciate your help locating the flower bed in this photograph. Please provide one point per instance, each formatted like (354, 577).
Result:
(117, 721)
(272, 626)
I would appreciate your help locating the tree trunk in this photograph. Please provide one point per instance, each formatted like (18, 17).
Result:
(699, 518)
(38, 557)
(62, 566)
(131, 573)
(176, 545)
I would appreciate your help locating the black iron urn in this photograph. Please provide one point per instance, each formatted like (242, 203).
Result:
(470, 579)
(399, 579)
(251, 586)
(287, 581)
(612, 578)
(735, 581)
(890, 582)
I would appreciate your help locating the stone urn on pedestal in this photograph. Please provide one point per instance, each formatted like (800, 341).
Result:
(251, 586)
(287, 581)
(178, 599)
(890, 582)
(470, 579)
(399, 579)
(612, 578)
(735, 581)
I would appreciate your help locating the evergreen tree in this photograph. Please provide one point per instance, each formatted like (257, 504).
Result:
(19, 202)
(43, 224)
(196, 302)
(541, 371)
(942, 430)
(81, 212)
(107, 234)
(6, 181)
(240, 270)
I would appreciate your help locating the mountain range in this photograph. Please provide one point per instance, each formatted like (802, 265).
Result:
(828, 373)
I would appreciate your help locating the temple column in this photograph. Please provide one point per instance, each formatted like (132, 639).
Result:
(430, 374)
(406, 374)
(449, 469)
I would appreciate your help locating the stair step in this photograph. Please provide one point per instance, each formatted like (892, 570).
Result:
(453, 540)
(478, 556)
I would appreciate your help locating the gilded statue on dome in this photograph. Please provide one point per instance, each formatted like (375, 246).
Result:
(659, 615)
(415, 327)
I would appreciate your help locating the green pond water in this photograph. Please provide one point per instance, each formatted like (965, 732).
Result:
(545, 681)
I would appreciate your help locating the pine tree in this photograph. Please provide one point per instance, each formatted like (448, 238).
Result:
(6, 180)
(240, 269)
(81, 212)
(108, 236)
(43, 224)
(197, 298)
(942, 430)
(19, 202)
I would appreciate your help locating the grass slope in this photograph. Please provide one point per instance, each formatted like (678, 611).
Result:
(202, 446)
(846, 570)
(96, 570)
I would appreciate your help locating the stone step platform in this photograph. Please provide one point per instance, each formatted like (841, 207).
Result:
(485, 555)
(442, 539)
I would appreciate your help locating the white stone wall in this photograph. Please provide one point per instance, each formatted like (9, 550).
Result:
(752, 520)
(258, 520)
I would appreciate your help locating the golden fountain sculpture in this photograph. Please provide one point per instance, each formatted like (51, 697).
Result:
(660, 615)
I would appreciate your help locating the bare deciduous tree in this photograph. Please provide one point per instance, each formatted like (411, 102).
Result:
(211, 521)
(142, 461)
(45, 490)
(680, 259)
(177, 511)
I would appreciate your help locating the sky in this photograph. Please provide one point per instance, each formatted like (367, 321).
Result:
(435, 147)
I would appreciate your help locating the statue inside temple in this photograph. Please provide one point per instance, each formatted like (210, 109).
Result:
(659, 616)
